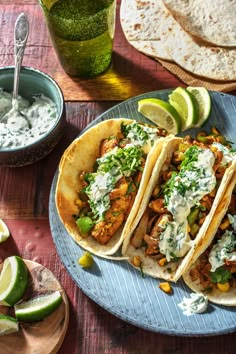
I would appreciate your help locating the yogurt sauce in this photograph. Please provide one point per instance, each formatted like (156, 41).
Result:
(196, 303)
(18, 131)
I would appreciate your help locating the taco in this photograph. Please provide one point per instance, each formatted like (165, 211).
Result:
(213, 265)
(102, 176)
(179, 203)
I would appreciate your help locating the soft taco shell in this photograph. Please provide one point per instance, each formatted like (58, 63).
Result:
(223, 298)
(141, 23)
(81, 156)
(173, 270)
(211, 21)
(216, 63)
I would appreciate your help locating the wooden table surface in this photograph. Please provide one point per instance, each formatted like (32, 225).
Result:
(24, 191)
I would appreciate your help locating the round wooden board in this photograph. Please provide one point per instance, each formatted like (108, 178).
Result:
(41, 337)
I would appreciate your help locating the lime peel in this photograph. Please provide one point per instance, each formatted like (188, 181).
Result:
(186, 105)
(161, 113)
(38, 308)
(203, 98)
(13, 280)
(8, 325)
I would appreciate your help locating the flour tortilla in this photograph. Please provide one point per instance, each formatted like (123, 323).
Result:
(150, 265)
(211, 62)
(216, 296)
(140, 21)
(81, 156)
(211, 21)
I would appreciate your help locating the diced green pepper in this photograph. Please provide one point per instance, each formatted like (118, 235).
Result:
(194, 229)
(193, 216)
(202, 138)
(84, 224)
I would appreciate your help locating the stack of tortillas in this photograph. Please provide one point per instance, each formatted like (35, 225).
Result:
(193, 39)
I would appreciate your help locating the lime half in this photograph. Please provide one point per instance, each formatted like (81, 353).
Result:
(13, 280)
(38, 308)
(161, 113)
(204, 103)
(186, 105)
(4, 231)
(8, 325)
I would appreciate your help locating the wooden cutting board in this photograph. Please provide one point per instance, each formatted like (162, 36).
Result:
(41, 337)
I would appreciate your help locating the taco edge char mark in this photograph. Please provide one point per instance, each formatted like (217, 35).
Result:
(102, 176)
(212, 268)
(187, 183)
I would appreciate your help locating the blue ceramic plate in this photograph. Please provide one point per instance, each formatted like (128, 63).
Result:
(118, 287)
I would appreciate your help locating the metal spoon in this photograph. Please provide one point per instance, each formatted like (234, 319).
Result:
(20, 39)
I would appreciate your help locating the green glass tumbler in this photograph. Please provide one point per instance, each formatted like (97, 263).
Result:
(82, 33)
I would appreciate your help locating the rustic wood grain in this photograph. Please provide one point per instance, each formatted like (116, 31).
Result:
(131, 73)
(24, 191)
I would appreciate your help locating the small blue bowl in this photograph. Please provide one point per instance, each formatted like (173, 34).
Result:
(33, 82)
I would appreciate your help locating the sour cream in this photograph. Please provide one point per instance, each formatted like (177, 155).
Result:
(36, 120)
(196, 303)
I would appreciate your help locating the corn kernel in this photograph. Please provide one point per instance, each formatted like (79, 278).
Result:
(213, 149)
(223, 287)
(166, 287)
(225, 224)
(162, 262)
(136, 261)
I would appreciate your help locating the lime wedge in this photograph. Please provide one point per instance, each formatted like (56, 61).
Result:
(13, 280)
(38, 308)
(8, 325)
(161, 113)
(204, 103)
(4, 232)
(186, 105)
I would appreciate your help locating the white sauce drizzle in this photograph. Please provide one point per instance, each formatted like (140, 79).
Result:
(228, 155)
(224, 248)
(175, 240)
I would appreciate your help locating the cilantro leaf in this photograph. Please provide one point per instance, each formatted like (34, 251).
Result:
(221, 275)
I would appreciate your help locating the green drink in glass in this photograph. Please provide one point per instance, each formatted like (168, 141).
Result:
(82, 33)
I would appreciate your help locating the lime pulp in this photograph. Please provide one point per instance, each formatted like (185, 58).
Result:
(8, 325)
(13, 280)
(4, 231)
(161, 113)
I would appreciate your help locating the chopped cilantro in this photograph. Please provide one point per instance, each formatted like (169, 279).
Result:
(190, 156)
(139, 134)
(127, 161)
(131, 188)
(221, 275)
(136, 130)
(175, 182)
